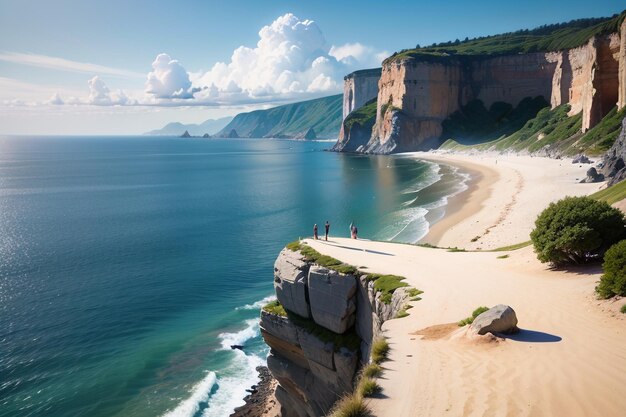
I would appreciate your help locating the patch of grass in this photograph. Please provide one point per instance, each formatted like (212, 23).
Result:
(428, 245)
(274, 307)
(475, 314)
(372, 370)
(513, 247)
(455, 249)
(623, 309)
(311, 255)
(380, 351)
(402, 314)
(386, 285)
(351, 405)
(600, 138)
(364, 116)
(502, 257)
(368, 387)
(349, 339)
(414, 292)
(612, 194)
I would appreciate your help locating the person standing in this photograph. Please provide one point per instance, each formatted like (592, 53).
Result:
(352, 229)
(355, 232)
(327, 229)
(315, 231)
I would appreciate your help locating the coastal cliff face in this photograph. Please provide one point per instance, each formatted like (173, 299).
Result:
(320, 343)
(417, 93)
(359, 87)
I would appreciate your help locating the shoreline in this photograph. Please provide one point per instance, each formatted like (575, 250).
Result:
(505, 195)
(465, 203)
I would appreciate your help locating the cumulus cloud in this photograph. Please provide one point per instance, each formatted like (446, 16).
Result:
(290, 59)
(357, 53)
(168, 79)
(56, 100)
(100, 95)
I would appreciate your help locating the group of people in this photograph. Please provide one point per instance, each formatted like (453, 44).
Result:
(353, 231)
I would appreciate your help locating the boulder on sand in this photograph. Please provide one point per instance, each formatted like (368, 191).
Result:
(498, 319)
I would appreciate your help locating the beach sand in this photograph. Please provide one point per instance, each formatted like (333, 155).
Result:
(569, 358)
(504, 197)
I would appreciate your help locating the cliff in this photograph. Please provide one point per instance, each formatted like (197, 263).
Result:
(581, 64)
(318, 118)
(321, 328)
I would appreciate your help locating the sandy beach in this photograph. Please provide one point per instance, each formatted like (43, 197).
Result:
(505, 195)
(569, 357)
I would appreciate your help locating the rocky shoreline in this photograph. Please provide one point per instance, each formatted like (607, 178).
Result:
(261, 400)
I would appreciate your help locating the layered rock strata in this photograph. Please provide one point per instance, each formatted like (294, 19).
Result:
(416, 94)
(317, 349)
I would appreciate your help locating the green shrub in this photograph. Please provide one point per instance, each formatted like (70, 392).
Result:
(475, 314)
(613, 281)
(368, 387)
(575, 230)
(623, 309)
(274, 307)
(351, 405)
(386, 285)
(373, 370)
(380, 350)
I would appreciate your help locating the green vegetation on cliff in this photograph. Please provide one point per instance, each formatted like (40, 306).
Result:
(364, 116)
(322, 115)
(612, 194)
(553, 37)
(311, 255)
(550, 130)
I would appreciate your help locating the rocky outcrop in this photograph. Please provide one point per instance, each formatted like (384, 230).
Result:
(614, 163)
(186, 134)
(498, 319)
(359, 87)
(317, 348)
(592, 176)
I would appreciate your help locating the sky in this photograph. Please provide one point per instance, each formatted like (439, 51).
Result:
(77, 67)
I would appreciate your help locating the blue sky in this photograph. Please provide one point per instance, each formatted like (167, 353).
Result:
(114, 67)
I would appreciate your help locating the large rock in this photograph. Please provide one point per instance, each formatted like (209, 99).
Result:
(290, 282)
(498, 319)
(614, 167)
(592, 176)
(332, 298)
(581, 159)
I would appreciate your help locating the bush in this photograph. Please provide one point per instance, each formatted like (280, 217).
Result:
(351, 405)
(380, 350)
(575, 230)
(475, 313)
(613, 282)
(368, 387)
(623, 309)
(373, 370)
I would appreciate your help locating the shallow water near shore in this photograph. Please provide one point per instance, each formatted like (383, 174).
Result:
(130, 265)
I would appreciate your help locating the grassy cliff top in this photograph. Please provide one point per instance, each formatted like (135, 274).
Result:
(546, 38)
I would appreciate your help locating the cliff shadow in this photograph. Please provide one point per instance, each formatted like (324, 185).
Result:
(375, 252)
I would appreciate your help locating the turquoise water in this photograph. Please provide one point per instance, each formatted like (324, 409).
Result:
(129, 265)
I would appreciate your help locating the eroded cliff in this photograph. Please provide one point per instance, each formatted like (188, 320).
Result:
(417, 91)
(320, 331)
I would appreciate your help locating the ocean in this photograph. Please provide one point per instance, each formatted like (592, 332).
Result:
(130, 265)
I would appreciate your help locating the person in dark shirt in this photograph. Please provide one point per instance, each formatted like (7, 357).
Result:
(327, 227)
(315, 231)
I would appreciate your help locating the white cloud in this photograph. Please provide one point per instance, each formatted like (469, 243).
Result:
(100, 95)
(51, 62)
(168, 79)
(56, 100)
(357, 53)
(291, 60)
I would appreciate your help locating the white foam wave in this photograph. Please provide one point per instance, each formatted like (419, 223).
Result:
(239, 338)
(199, 394)
(232, 389)
(257, 304)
